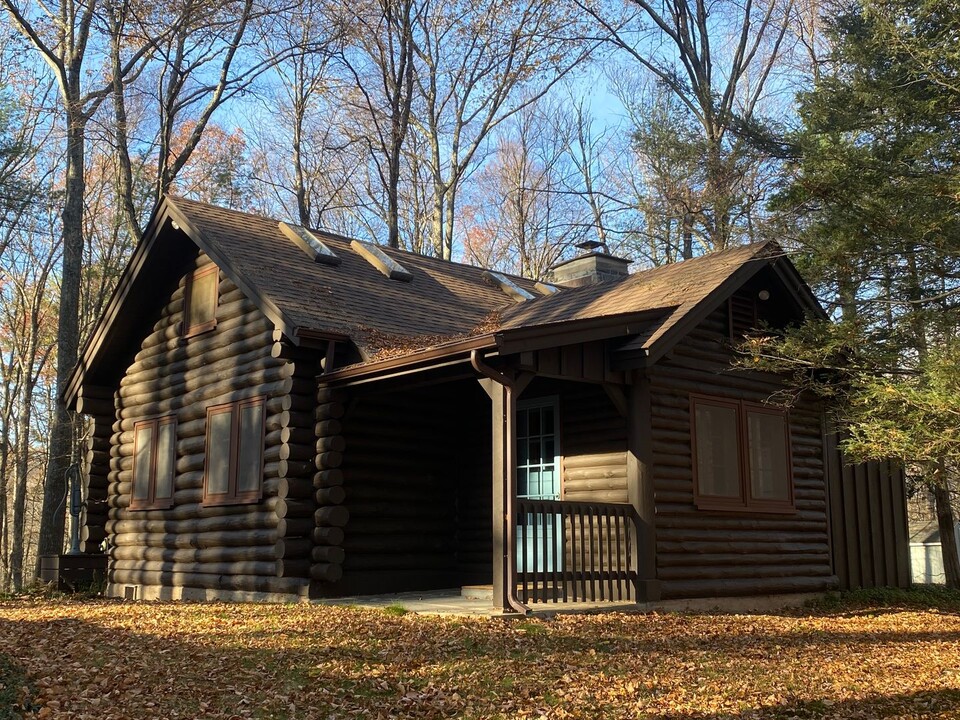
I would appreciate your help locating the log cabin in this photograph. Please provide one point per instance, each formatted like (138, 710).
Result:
(281, 413)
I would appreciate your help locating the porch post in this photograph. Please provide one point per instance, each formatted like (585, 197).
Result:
(640, 486)
(503, 407)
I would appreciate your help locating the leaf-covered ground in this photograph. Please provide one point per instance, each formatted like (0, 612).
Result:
(117, 660)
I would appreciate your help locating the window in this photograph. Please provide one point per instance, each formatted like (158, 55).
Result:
(234, 458)
(154, 457)
(741, 456)
(200, 295)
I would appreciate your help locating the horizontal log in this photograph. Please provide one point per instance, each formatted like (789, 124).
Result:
(247, 567)
(213, 539)
(389, 545)
(289, 419)
(247, 518)
(328, 460)
(329, 411)
(330, 443)
(215, 555)
(103, 407)
(286, 548)
(613, 496)
(294, 527)
(330, 496)
(290, 468)
(708, 560)
(293, 568)
(752, 586)
(327, 554)
(329, 395)
(93, 533)
(326, 572)
(326, 428)
(328, 478)
(328, 535)
(208, 581)
(294, 488)
(724, 572)
(595, 461)
(332, 516)
(286, 508)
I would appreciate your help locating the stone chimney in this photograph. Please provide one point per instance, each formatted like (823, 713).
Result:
(591, 266)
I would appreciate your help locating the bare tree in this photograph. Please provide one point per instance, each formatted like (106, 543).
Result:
(716, 60)
(61, 33)
(480, 64)
(380, 65)
(521, 216)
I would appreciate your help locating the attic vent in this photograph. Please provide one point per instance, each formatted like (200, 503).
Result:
(310, 244)
(381, 261)
(507, 285)
(546, 288)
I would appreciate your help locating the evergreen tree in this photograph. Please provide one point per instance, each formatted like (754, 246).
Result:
(875, 195)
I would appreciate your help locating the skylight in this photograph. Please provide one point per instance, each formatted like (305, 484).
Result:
(381, 261)
(310, 244)
(507, 285)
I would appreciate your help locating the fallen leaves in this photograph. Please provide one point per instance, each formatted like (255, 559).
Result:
(113, 661)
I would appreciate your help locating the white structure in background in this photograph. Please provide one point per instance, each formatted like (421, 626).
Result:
(926, 558)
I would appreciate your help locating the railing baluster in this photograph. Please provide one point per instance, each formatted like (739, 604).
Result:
(620, 574)
(583, 558)
(522, 551)
(573, 556)
(610, 569)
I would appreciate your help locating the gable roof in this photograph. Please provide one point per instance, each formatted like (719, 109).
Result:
(439, 303)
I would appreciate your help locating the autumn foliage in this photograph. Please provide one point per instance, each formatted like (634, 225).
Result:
(113, 660)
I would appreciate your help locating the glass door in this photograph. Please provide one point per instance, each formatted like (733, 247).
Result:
(538, 478)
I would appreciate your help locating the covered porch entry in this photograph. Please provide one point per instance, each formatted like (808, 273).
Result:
(505, 478)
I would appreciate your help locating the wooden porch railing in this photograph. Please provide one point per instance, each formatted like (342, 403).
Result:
(575, 551)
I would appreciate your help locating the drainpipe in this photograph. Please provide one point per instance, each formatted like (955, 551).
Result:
(509, 473)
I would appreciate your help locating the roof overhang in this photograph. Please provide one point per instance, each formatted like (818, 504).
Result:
(500, 343)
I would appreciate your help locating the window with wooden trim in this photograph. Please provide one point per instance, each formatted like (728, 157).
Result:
(154, 458)
(233, 468)
(201, 293)
(741, 455)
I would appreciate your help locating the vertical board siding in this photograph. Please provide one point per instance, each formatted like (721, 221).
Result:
(225, 548)
(868, 521)
(704, 553)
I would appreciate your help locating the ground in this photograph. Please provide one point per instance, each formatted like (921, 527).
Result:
(847, 659)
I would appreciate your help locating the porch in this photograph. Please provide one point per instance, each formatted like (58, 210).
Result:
(529, 486)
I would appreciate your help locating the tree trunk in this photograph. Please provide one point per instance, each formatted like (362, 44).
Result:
(20, 486)
(948, 537)
(68, 338)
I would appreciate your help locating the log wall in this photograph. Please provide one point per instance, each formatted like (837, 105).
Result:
(703, 553)
(96, 468)
(261, 547)
(415, 502)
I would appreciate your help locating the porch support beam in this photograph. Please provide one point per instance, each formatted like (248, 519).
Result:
(640, 485)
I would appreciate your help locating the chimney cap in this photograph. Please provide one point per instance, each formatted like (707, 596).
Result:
(591, 245)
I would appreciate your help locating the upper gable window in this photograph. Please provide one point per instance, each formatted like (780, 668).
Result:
(741, 456)
(200, 295)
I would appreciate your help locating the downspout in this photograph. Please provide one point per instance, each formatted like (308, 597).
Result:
(509, 488)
